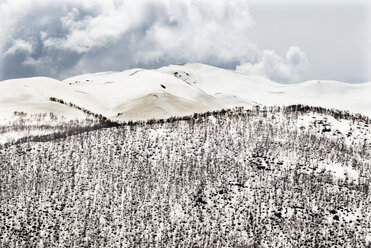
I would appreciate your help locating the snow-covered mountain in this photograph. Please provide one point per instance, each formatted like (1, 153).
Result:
(172, 90)
(68, 173)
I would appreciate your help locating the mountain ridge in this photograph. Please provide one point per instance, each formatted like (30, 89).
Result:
(173, 90)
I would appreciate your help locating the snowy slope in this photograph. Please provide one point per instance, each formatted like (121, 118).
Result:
(328, 94)
(31, 95)
(142, 94)
(172, 91)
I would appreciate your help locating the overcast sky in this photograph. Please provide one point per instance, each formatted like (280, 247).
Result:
(289, 41)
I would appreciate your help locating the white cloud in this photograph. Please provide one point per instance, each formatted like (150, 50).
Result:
(273, 66)
(191, 29)
(19, 45)
(76, 36)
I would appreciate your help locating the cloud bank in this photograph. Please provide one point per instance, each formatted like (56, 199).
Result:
(279, 69)
(63, 38)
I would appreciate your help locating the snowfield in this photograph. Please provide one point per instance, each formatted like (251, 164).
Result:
(174, 90)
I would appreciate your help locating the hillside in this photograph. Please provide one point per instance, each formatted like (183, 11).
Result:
(275, 177)
(174, 90)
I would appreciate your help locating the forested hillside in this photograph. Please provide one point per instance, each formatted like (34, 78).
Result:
(268, 177)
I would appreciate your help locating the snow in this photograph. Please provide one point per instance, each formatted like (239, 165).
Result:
(348, 130)
(31, 95)
(172, 90)
(339, 171)
(15, 135)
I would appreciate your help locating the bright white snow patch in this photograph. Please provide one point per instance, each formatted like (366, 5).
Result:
(341, 171)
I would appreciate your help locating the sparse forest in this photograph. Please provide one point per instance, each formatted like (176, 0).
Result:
(294, 176)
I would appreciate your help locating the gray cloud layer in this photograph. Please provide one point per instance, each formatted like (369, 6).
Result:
(63, 38)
